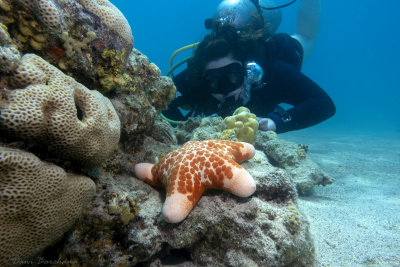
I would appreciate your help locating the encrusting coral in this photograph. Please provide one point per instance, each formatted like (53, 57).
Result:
(243, 123)
(38, 203)
(9, 55)
(73, 46)
(73, 35)
(51, 108)
(197, 165)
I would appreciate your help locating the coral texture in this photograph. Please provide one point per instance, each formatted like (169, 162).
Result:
(138, 104)
(46, 10)
(9, 55)
(38, 203)
(244, 124)
(110, 16)
(200, 129)
(197, 165)
(90, 42)
(9, 58)
(52, 108)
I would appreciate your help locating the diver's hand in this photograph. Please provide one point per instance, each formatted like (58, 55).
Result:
(266, 124)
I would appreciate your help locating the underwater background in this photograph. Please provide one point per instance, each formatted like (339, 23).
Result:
(356, 58)
(327, 195)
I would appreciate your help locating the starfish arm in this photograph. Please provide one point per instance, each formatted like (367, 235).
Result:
(177, 205)
(224, 173)
(241, 184)
(241, 151)
(146, 172)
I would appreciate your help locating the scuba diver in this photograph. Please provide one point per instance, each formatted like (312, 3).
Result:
(242, 62)
(240, 14)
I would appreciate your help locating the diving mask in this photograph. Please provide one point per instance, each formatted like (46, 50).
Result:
(225, 79)
(230, 77)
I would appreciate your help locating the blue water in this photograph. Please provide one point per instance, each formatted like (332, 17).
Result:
(356, 59)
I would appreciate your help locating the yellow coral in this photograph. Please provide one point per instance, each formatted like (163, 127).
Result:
(30, 32)
(124, 206)
(73, 46)
(301, 152)
(294, 219)
(244, 124)
(111, 77)
(5, 5)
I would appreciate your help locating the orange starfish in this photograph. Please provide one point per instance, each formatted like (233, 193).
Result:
(197, 165)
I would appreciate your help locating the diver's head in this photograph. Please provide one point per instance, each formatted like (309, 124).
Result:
(227, 77)
(224, 78)
(245, 14)
(219, 61)
(225, 81)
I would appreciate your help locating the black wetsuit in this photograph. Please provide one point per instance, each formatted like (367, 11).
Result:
(283, 82)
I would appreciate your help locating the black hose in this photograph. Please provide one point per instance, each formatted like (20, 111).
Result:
(277, 7)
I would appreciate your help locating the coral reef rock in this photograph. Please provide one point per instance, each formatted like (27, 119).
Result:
(288, 156)
(88, 40)
(199, 129)
(138, 104)
(124, 226)
(293, 159)
(51, 54)
(51, 108)
(38, 203)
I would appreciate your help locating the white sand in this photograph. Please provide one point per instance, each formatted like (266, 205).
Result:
(356, 220)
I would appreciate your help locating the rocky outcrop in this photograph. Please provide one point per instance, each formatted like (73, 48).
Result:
(124, 226)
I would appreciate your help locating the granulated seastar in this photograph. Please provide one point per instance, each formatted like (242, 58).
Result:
(197, 165)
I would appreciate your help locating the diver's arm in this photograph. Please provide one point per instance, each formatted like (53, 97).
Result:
(311, 104)
(308, 22)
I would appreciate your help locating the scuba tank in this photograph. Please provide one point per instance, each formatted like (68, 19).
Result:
(242, 13)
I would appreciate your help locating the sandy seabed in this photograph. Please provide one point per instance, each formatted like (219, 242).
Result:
(356, 220)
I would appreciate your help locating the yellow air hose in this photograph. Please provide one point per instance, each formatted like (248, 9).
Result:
(171, 72)
(172, 122)
(172, 68)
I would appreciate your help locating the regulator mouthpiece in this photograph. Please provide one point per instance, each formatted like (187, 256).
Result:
(254, 73)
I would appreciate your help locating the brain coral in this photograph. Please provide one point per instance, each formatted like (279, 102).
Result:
(38, 203)
(110, 16)
(76, 123)
(46, 11)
